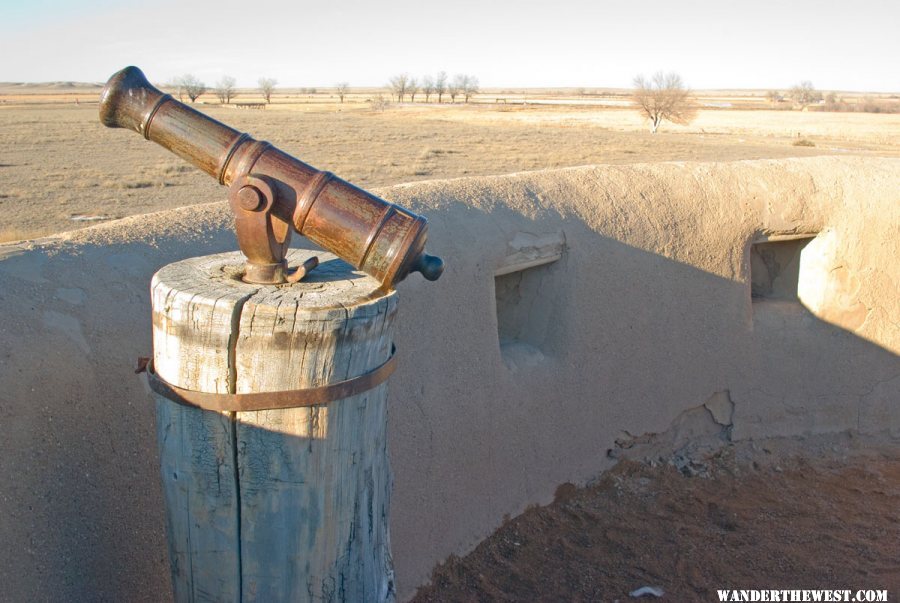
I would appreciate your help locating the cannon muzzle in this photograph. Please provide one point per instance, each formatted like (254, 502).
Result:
(273, 193)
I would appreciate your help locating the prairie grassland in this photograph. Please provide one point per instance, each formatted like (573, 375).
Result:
(866, 129)
(60, 169)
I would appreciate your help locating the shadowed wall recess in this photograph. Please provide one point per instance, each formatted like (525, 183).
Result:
(524, 287)
(775, 267)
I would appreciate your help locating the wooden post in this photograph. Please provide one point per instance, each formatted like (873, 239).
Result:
(274, 505)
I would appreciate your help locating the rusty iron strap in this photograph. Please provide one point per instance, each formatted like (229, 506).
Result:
(313, 396)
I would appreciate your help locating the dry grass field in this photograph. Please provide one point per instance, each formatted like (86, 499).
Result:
(62, 170)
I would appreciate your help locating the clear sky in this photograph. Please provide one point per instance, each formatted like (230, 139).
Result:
(838, 45)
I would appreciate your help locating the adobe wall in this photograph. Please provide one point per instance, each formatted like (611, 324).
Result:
(579, 306)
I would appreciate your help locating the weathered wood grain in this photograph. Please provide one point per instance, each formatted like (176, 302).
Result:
(277, 505)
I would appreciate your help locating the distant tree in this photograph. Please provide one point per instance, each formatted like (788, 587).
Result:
(805, 93)
(342, 89)
(773, 96)
(470, 87)
(427, 87)
(399, 85)
(267, 87)
(176, 83)
(412, 87)
(455, 86)
(663, 98)
(225, 89)
(440, 84)
(192, 86)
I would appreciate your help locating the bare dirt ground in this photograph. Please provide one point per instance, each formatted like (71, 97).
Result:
(782, 514)
(60, 169)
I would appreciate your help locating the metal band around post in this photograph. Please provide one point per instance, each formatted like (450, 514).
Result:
(314, 396)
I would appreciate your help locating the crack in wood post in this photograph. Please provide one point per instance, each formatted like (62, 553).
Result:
(232, 389)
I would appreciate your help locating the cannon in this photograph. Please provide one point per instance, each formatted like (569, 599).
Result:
(273, 194)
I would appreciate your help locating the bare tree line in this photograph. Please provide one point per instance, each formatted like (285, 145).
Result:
(805, 94)
(191, 86)
(802, 94)
(402, 86)
(439, 85)
(664, 97)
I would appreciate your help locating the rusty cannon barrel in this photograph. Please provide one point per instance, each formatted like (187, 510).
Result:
(273, 193)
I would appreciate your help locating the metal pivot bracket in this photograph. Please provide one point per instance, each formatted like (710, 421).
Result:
(262, 235)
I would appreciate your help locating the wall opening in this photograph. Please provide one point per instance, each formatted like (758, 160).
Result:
(775, 268)
(524, 309)
(526, 289)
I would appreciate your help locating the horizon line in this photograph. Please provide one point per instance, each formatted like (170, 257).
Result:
(485, 90)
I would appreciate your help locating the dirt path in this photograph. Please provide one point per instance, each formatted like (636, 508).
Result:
(814, 517)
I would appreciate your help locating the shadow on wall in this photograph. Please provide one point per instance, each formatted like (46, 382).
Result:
(545, 339)
(81, 511)
(548, 365)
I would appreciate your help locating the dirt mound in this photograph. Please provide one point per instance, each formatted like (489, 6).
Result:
(768, 516)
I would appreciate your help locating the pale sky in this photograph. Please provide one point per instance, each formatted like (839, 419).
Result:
(838, 45)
